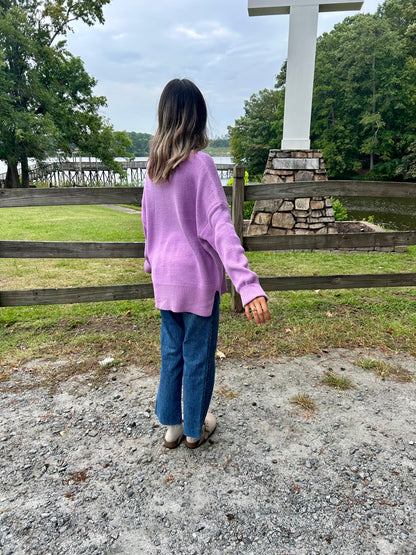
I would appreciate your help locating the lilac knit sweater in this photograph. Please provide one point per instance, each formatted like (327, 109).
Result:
(190, 238)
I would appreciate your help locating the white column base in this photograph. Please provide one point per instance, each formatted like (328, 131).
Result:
(296, 144)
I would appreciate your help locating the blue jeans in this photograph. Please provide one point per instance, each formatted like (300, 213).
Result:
(188, 344)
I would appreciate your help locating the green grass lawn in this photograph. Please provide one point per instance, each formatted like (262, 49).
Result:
(303, 321)
(69, 223)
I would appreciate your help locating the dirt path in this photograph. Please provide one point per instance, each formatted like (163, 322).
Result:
(83, 469)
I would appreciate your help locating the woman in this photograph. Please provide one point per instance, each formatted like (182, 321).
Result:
(190, 239)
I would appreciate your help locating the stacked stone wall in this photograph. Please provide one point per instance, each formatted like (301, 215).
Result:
(289, 216)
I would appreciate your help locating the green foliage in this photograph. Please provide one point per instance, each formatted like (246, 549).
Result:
(230, 182)
(248, 209)
(383, 171)
(340, 212)
(385, 369)
(61, 13)
(363, 110)
(220, 142)
(401, 14)
(370, 219)
(47, 98)
(140, 143)
(407, 166)
(248, 205)
(255, 133)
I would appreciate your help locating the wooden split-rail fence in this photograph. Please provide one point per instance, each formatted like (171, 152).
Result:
(237, 195)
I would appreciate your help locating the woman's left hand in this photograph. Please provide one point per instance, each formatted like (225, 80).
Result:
(257, 309)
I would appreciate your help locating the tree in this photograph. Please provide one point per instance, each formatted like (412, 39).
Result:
(401, 14)
(220, 142)
(140, 143)
(259, 130)
(360, 112)
(47, 101)
(407, 167)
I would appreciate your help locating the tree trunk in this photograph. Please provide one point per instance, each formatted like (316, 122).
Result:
(25, 170)
(12, 176)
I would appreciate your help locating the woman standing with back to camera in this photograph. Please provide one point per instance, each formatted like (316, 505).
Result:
(190, 239)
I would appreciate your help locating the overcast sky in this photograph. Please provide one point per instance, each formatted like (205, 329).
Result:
(145, 43)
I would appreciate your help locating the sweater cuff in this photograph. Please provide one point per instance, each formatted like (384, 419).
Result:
(250, 292)
(147, 267)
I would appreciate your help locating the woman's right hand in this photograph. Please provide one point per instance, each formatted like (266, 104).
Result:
(258, 310)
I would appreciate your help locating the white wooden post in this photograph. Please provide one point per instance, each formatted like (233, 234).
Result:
(303, 27)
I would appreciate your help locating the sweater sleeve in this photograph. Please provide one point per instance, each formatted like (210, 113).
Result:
(218, 231)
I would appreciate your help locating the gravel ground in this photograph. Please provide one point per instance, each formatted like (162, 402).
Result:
(83, 468)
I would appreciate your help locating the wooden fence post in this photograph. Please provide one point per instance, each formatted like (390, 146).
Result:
(237, 216)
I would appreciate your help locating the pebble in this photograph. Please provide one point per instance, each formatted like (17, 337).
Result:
(106, 361)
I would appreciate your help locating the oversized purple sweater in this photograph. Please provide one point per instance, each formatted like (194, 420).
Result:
(190, 238)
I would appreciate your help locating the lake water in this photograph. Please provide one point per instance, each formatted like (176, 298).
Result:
(393, 213)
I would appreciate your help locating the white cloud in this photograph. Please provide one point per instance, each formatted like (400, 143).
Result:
(145, 43)
(188, 33)
(203, 31)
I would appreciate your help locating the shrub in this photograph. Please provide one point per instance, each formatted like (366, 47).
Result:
(340, 212)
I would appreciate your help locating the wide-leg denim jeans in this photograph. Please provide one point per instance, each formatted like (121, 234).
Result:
(188, 344)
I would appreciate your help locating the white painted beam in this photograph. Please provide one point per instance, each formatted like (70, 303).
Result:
(279, 7)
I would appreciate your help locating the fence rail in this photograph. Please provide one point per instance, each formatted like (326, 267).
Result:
(336, 188)
(71, 295)
(67, 249)
(133, 195)
(237, 195)
(102, 293)
(91, 249)
(14, 198)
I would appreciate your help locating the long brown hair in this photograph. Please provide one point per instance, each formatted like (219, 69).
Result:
(182, 118)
